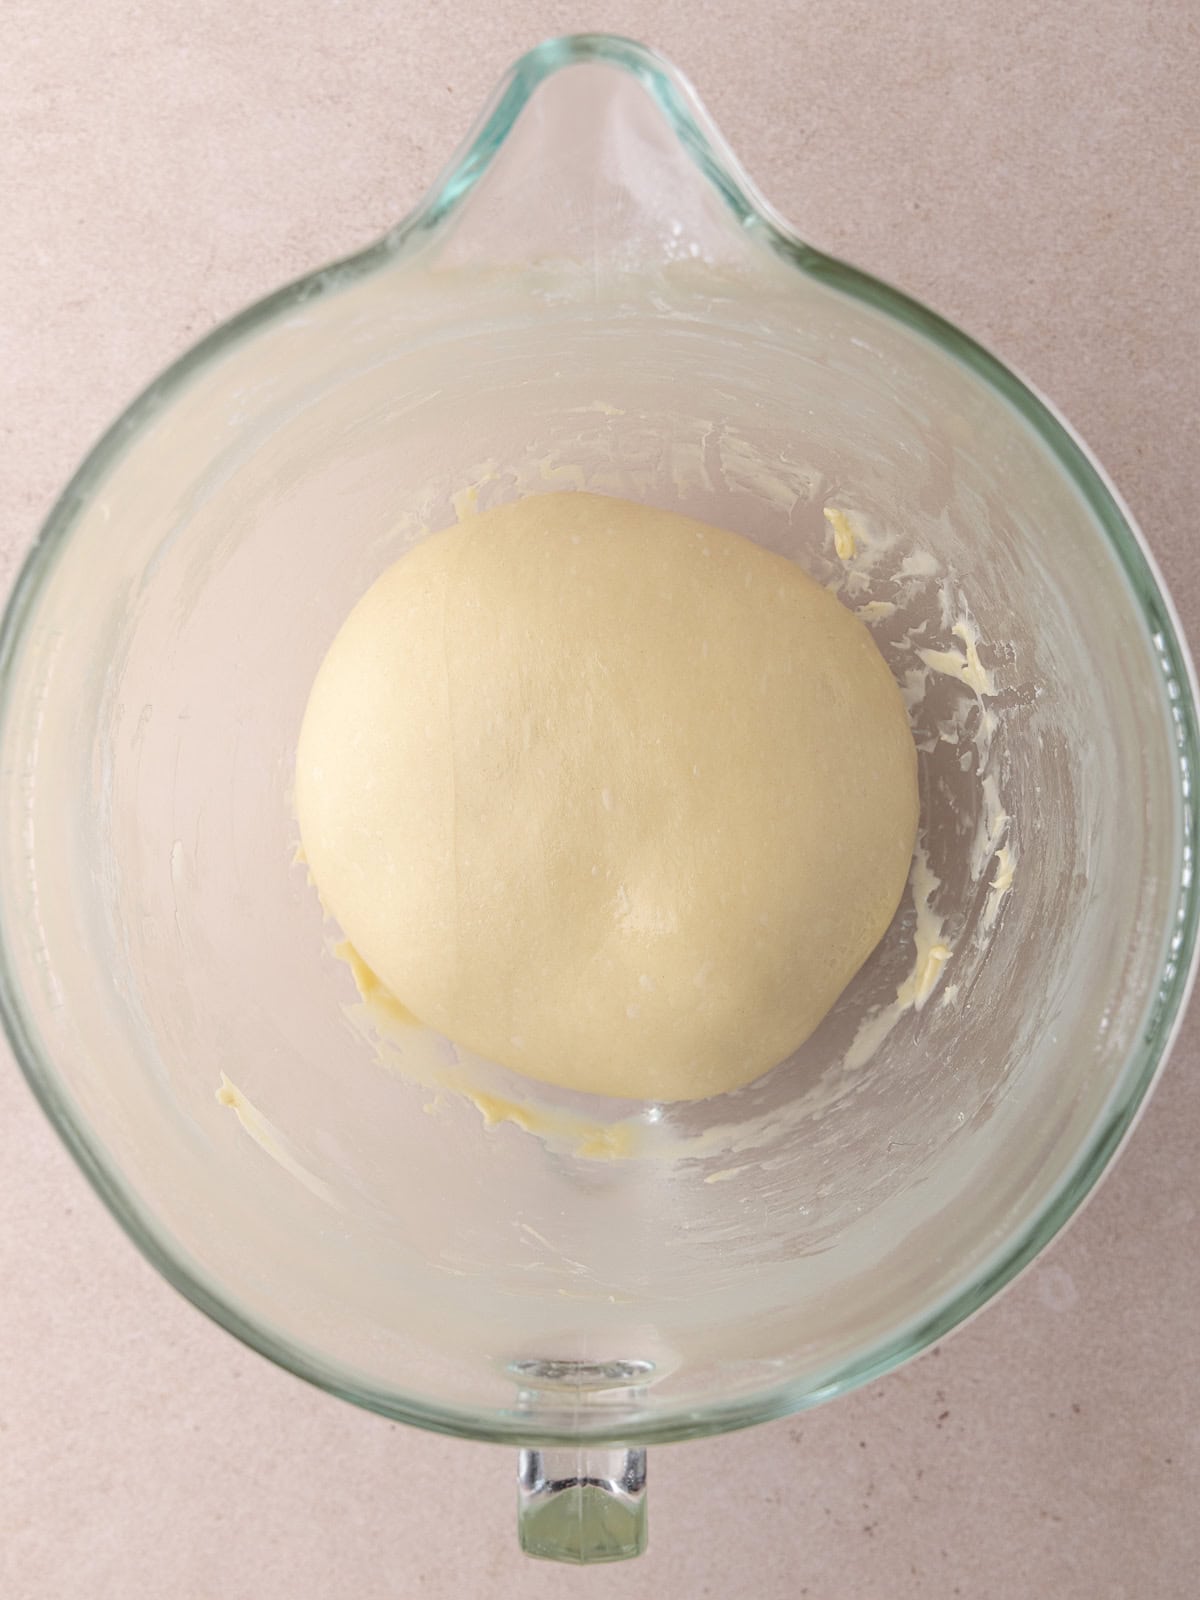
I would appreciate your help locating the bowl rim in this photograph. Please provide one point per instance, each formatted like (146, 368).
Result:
(703, 143)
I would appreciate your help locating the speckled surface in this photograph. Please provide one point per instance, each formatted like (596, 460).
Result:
(1027, 169)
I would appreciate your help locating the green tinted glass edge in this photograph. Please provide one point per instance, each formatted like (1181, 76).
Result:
(706, 148)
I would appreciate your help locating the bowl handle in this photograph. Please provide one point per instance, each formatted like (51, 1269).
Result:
(584, 1504)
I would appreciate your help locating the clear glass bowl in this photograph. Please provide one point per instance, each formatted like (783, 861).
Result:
(592, 296)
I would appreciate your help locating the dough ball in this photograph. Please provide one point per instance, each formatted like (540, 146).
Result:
(608, 795)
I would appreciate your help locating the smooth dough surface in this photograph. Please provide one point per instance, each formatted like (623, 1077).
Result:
(607, 795)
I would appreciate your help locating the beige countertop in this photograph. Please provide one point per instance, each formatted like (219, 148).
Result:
(1030, 170)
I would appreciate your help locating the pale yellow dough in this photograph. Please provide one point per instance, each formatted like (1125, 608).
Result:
(607, 795)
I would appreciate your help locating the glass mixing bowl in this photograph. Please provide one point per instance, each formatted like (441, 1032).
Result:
(592, 296)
